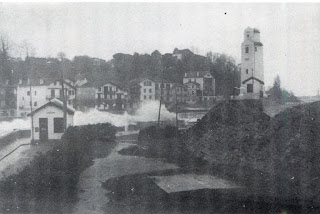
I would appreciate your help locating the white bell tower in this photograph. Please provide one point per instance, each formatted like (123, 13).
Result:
(252, 73)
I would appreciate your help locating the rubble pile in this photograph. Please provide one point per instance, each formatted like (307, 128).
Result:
(280, 155)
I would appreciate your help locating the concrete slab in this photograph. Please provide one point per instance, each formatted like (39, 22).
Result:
(189, 182)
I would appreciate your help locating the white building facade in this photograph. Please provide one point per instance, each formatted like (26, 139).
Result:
(40, 93)
(252, 70)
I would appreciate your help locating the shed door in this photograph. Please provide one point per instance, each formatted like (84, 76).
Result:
(43, 126)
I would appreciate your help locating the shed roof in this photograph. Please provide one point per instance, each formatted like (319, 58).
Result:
(54, 102)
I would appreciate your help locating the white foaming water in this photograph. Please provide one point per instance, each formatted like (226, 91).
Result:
(147, 112)
(8, 126)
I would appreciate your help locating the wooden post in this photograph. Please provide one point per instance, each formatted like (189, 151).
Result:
(32, 126)
(63, 98)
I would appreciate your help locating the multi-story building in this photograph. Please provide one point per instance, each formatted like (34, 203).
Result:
(205, 86)
(193, 92)
(37, 92)
(110, 96)
(102, 95)
(147, 89)
(163, 89)
(179, 93)
(252, 72)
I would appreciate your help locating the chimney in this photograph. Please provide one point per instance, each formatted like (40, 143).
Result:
(198, 74)
(20, 81)
(185, 74)
(41, 81)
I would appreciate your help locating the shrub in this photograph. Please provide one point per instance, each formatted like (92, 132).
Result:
(53, 177)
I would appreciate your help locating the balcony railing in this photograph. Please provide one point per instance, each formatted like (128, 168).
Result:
(49, 97)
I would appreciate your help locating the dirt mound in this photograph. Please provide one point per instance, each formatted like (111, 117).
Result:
(279, 155)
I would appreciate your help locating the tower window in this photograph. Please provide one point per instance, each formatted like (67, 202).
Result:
(247, 71)
(247, 49)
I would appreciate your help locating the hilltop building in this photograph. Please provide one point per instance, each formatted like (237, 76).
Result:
(252, 71)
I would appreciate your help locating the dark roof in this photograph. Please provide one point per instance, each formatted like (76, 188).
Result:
(53, 102)
(194, 74)
(100, 83)
(159, 80)
(192, 83)
(258, 44)
(260, 81)
(138, 80)
(255, 30)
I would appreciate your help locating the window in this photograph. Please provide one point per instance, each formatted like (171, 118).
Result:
(35, 103)
(247, 71)
(249, 88)
(69, 92)
(150, 90)
(157, 85)
(35, 92)
(70, 102)
(255, 49)
(22, 98)
(247, 49)
(145, 90)
(168, 86)
(58, 125)
(150, 97)
(189, 80)
(192, 92)
(28, 93)
(72, 92)
(247, 35)
(145, 97)
(99, 89)
(52, 93)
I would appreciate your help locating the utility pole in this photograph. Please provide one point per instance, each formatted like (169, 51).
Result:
(161, 85)
(176, 111)
(32, 126)
(63, 97)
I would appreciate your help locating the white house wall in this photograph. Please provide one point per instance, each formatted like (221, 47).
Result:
(38, 94)
(50, 112)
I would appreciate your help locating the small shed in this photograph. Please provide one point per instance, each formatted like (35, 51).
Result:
(48, 120)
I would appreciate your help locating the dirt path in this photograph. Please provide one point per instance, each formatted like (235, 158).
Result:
(92, 197)
(20, 156)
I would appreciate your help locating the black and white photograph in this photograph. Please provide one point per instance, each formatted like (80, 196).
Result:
(159, 107)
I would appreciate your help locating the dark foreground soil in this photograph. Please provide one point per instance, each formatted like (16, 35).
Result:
(275, 158)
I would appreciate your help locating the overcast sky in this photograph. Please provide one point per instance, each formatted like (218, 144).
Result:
(290, 32)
